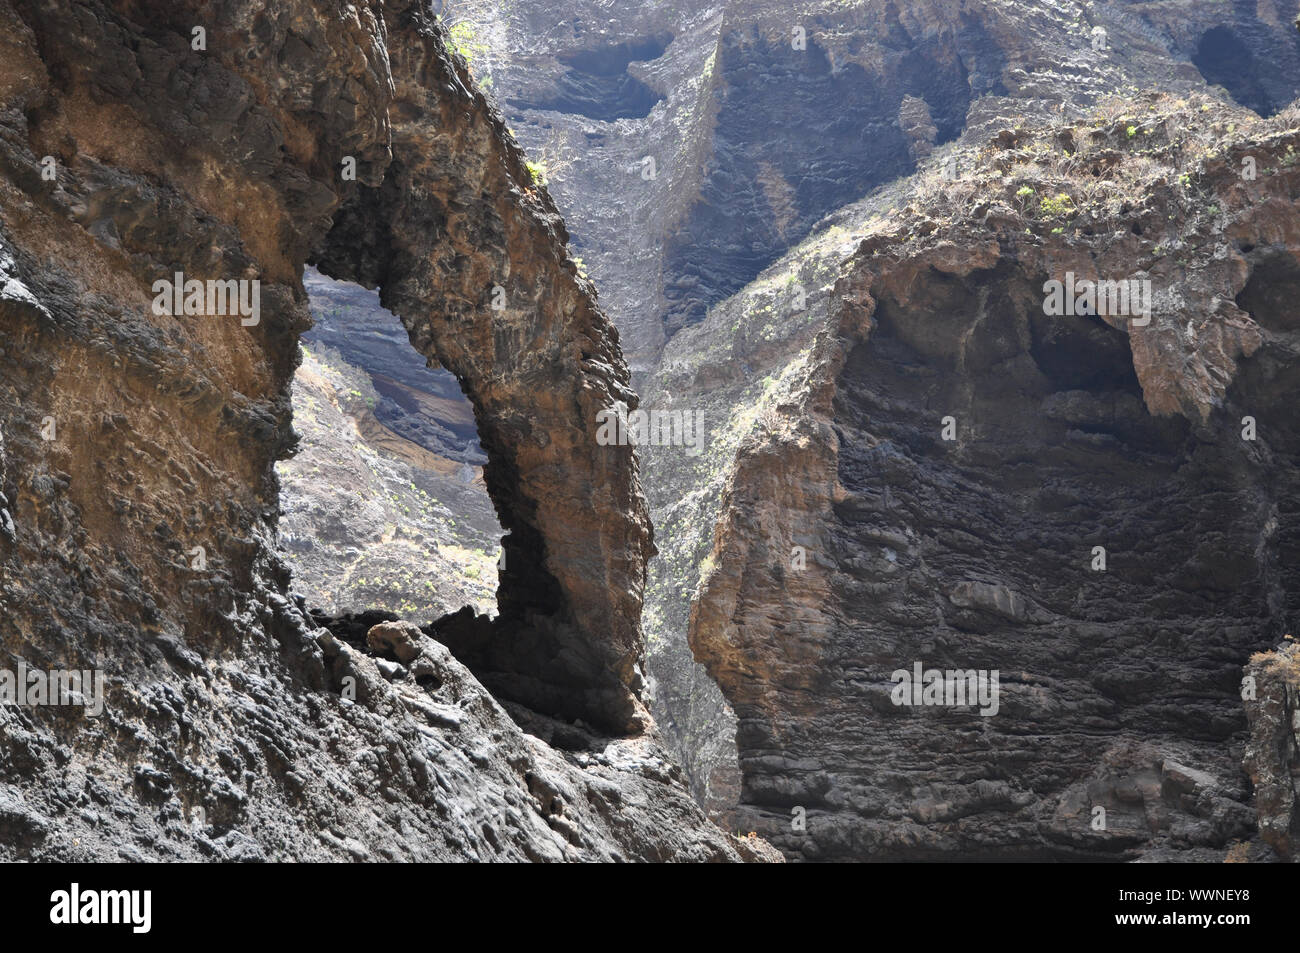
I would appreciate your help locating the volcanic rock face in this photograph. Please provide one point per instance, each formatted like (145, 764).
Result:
(1097, 507)
(762, 118)
(441, 227)
(718, 268)
(137, 495)
(1272, 697)
(909, 463)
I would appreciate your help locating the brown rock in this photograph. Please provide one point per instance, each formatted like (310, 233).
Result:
(977, 552)
(399, 639)
(146, 525)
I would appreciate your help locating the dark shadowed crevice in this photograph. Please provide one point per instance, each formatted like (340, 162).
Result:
(1271, 293)
(1257, 63)
(597, 83)
(765, 188)
(614, 60)
(1082, 352)
(1226, 61)
(1267, 389)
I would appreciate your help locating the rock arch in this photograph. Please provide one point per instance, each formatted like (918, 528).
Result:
(470, 255)
(230, 162)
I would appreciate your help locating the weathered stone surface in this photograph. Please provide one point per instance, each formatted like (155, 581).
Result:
(1271, 695)
(852, 538)
(139, 501)
(755, 140)
(1120, 689)
(452, 222)
(400, 639)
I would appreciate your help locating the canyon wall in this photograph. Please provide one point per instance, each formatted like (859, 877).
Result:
(1099, 508)
(138, 499)
(906, 462)
(722, 260)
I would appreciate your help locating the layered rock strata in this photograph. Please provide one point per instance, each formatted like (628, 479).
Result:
(1097, 506)
(758, 119)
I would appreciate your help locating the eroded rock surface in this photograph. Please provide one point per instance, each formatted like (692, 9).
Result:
(931, 483)
(763, 117)
(1272, 697)
(138, 500)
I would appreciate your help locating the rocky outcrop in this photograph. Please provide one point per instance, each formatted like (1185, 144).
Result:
(699, 262)
(1093, 505)
(456, 223)
(1271, 694)
(139, 504)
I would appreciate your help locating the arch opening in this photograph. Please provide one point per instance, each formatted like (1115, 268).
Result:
(511, 320)
(385, 509)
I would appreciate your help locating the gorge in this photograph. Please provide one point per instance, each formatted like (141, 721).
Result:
(375, 578)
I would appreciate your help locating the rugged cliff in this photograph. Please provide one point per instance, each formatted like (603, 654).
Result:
(235, 141)
(906, 462)
(721, 261)
(1097, 507)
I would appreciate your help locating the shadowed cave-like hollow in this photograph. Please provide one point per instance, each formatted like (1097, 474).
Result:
(979, 553)
(1256, 66)
(597, 83)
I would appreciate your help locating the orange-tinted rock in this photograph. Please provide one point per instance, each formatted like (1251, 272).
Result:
(138, 501)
